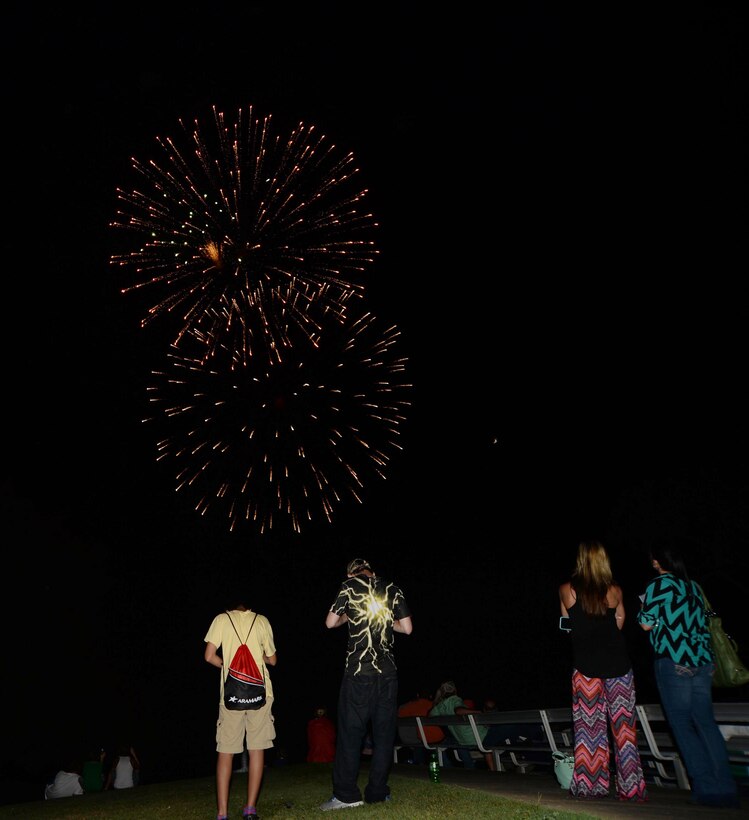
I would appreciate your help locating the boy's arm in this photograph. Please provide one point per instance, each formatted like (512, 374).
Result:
(211, 655)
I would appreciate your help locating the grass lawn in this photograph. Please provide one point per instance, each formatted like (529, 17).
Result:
(292, 792)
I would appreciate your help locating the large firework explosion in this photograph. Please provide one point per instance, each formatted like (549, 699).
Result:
(243, 233)
(283, 443)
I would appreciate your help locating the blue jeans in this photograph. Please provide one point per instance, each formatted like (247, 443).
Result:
(512, 734)
(464, 753)
(363, 699)
(686, 696)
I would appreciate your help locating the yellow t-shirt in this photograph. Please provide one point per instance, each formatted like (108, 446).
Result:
(222, 635)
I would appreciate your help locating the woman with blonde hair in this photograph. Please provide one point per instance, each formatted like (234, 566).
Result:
(603, 691)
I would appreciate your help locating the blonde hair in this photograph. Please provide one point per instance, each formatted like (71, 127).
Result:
(592, 577)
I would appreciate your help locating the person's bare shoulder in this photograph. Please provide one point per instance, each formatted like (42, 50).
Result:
(614, 596)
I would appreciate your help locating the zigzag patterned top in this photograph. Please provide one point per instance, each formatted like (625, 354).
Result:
(676, 613)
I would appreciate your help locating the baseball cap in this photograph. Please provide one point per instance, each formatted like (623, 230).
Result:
(357, 565)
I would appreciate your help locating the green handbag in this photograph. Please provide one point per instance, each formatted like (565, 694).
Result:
(729, 670)
(564, 767)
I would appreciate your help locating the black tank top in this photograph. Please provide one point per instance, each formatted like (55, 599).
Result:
(598, 646)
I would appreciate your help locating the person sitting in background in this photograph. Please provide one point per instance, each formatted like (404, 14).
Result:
(320, 737)
(448, 702)
(125, 772)
(67, 783)
(93, 772)
(419, 706)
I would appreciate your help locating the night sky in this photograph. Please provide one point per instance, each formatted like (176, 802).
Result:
(561, 199)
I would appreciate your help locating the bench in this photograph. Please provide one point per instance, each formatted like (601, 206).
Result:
(732, 720)
(657, 747)
(551, 730)
(548, 730)
(408, 737)
(411, 733)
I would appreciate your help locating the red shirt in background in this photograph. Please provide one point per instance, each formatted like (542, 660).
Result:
(320, 740)
(421, 707)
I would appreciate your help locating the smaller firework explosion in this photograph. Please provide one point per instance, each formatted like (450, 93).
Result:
(282, 445)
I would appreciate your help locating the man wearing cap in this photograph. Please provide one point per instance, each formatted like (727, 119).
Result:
(373, 609)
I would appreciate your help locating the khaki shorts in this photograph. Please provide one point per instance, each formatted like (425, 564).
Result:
(256, 726)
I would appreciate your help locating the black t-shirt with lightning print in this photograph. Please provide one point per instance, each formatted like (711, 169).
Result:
(371, 605)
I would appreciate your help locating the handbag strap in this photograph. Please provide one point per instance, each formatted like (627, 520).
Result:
(709, 611)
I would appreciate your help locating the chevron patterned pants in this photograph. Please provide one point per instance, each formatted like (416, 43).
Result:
(598, 703)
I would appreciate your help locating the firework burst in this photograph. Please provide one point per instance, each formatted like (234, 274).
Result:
(285, 443)
(243, 233)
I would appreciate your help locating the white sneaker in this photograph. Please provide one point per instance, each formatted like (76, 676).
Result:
(335, 803)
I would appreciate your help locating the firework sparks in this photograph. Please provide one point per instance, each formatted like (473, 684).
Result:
(285, 443)
(243, 233)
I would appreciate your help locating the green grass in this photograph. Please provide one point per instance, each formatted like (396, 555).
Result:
(291, 792)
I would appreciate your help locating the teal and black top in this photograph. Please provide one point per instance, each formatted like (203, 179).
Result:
(675, 610)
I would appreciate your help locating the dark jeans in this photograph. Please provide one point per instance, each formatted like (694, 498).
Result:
(464, 753)
(513, 734)
(686, 696)
(418, 754)
(365, 698)
(517, 734)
